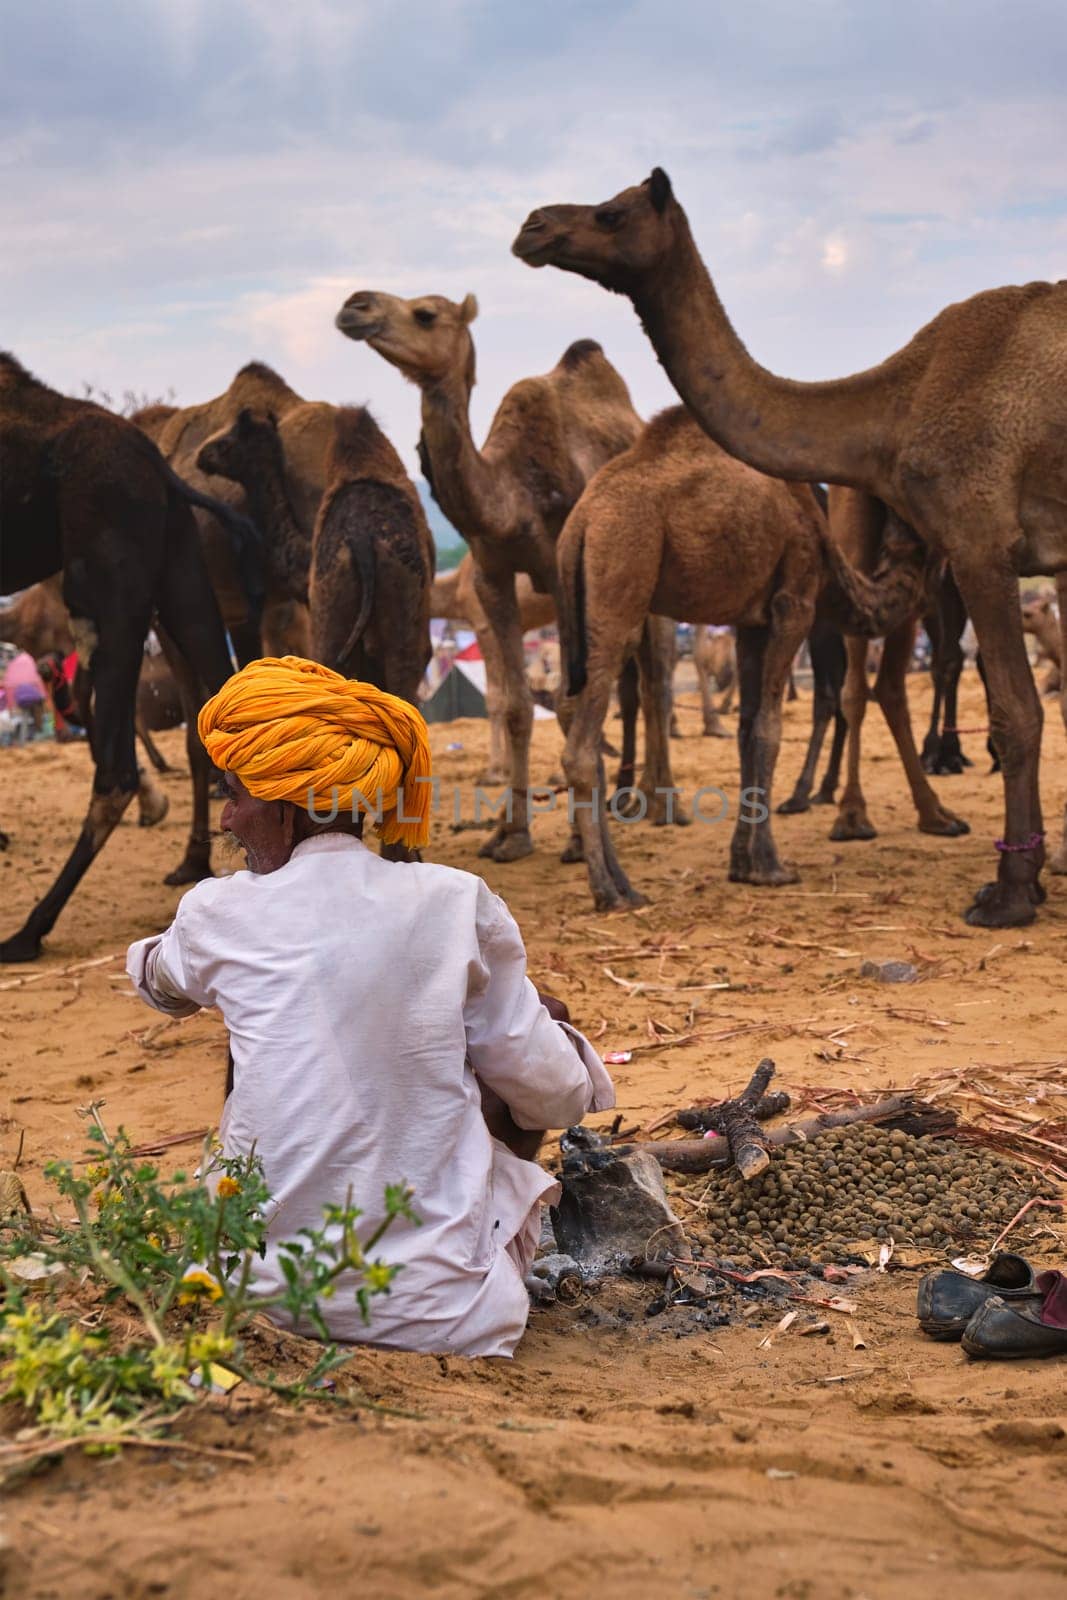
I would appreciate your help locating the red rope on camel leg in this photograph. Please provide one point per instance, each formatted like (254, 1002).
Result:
(1018, 849)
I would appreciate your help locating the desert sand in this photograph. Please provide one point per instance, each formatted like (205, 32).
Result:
(617, 1452)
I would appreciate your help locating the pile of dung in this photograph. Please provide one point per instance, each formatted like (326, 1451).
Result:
(853, 1184)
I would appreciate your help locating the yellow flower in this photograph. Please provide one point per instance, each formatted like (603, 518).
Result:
(97, 1173)
(209, 1346)
(155, 1241)
(199, 1285)
(378, 1277)
(227, 1186)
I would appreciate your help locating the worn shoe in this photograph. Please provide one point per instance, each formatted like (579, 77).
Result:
(947, 1300)
(1035, 1327)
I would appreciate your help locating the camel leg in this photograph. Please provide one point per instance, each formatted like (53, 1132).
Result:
(891, 692)
(194, 643)
(852, 821)
(1058, 864)
(991, 594)
(629, 695)
(152, 750)
(827, 648)
(765, 657)
(656, 661)
(152, 803)
(824, 795)
(497, 768)
(115, 665)
(941, 753)
(584, 768)
(510, 840)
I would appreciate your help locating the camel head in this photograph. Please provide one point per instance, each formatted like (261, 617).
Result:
(237, 452)
(1038, 613)
(428, 339)
(616, 243)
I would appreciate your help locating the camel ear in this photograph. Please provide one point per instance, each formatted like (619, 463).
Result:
(469, 309)
(659, 188)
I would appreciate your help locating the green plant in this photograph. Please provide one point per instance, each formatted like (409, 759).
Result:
(181, 1254)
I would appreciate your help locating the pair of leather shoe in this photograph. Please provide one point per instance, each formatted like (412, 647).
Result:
(998, 1315)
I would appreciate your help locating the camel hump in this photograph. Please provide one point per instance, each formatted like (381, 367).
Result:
(578, 352)
(361, 450)
(259, 372)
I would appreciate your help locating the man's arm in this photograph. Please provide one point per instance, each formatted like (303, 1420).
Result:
(545, 1072)
(160, 970)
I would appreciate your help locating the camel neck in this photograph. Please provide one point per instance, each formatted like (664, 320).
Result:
(808, 432)
(467, 488)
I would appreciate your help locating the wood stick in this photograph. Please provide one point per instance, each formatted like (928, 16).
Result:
(708, 1119)
(698, 1155)
(737, 1119)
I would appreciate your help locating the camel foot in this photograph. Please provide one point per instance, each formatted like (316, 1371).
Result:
(675, 730)
(572, 852)
(191, 870)
(717, 733)
(609, 750)
(946, 824)
(853, 825)
(1002, 905)
(21, 947)
(153, 809)
(5, 840)
(766, 877)
(508, 846)
(618, 899)
(793, 806)
(492, 777)
(660, 817)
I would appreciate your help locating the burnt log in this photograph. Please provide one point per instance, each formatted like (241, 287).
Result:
(737, 1118)
(699, 1155)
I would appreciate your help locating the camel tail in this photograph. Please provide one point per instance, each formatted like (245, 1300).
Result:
(366, 561)
(572, 618)
(245, 537)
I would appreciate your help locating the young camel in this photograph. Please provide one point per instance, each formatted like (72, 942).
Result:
(961, 433)
(372, 554)
(84, 492)
(715, 661)
(274, 622)
(1041, 621)
(510, 499)
(677, 525)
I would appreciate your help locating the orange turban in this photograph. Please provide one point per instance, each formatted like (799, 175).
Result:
(293, 730)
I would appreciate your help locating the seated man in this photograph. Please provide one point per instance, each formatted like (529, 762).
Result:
(368, 1001)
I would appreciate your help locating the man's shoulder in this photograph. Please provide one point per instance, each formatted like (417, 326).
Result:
(207, 896)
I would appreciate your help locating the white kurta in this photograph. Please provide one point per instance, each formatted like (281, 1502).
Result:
(359, 994)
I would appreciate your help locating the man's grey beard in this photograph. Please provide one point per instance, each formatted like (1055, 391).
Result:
(233, 851)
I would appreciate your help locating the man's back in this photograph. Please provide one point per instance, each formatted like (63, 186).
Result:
(357, 993)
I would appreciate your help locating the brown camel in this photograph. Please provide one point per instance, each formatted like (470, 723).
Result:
(37, 621)
(84, 492)
(715, 661)
(962, 433)
(510, 499)
(306, 429)
(454, 595)
(1041, 620)
(372, 554)
(678, 526)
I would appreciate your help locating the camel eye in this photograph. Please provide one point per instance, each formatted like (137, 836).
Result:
(608, 219)
(425, 318)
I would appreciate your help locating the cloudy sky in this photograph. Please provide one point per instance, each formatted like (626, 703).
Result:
(187, 185)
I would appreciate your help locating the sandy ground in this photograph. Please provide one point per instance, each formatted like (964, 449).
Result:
(610, 1453)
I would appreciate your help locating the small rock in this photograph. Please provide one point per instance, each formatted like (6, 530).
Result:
(614, 1208)
(889, 971)
(555, 1277)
